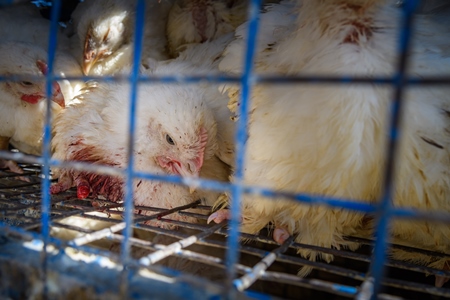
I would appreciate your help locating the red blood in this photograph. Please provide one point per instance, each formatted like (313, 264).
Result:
(108, 186)
(55, 189)
(83, 191)
(33, 99)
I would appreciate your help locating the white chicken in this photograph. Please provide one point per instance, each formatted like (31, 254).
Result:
(175, 134)
(103, 40)
(330, 140)
(24, 52)
(35, 30)
(201, 59)
(22, 109)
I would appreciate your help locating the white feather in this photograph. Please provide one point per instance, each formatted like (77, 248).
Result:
(110, 24)
(330, 140)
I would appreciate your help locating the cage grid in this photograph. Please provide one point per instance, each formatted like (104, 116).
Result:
(270, 262)
(128, 258)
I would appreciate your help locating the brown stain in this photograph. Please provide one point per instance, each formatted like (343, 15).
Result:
(360, 28)
(431, 142)
(200, 17)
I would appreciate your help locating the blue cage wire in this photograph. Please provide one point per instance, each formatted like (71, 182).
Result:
(112, 274)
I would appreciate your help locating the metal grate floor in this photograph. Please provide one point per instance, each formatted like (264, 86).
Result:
(198, 249)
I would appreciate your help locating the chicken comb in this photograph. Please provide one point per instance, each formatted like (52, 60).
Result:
(42, 66)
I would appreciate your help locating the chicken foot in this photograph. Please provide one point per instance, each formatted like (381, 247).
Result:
(220, 216)
(66, 181)
(441, 280)
(10, 164)
(280, 234)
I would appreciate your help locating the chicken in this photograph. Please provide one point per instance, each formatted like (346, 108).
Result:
(22, 109)
(424, 179)
(103, 40)
(330, 140)
(175, 134)
(276, 24)
(201, 59)
(35, 30)
(27, 41)
(197, 21)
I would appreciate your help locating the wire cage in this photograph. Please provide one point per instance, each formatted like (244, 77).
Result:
(125, 258)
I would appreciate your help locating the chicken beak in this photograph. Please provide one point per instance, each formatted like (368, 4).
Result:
(187, 172)
(57, 95)
(193, 169)
(88, 63)
(90, 53)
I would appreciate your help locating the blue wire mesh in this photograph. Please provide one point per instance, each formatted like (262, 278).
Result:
(384, 210)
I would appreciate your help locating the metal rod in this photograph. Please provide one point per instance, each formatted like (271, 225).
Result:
(46, 151)
(260, 268)
(177, 246)
(257, 79)
(383, 212)
(232, 255)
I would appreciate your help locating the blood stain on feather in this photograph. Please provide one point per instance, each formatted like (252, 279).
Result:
(104, 185)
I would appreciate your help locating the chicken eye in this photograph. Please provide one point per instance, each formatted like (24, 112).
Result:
(169, 140)
(26, 83)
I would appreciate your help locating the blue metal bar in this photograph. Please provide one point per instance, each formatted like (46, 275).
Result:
(7, 230)
(405, 213)
(289, 79)
(384, 209)
(241, 137)
(429, 80)
(129, 205)
(46, 147)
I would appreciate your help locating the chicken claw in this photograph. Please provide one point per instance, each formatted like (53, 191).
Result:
(10, 165)
(13, 167)
(220, 216)
(441, 280)
(280, 235)
(64, 183)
